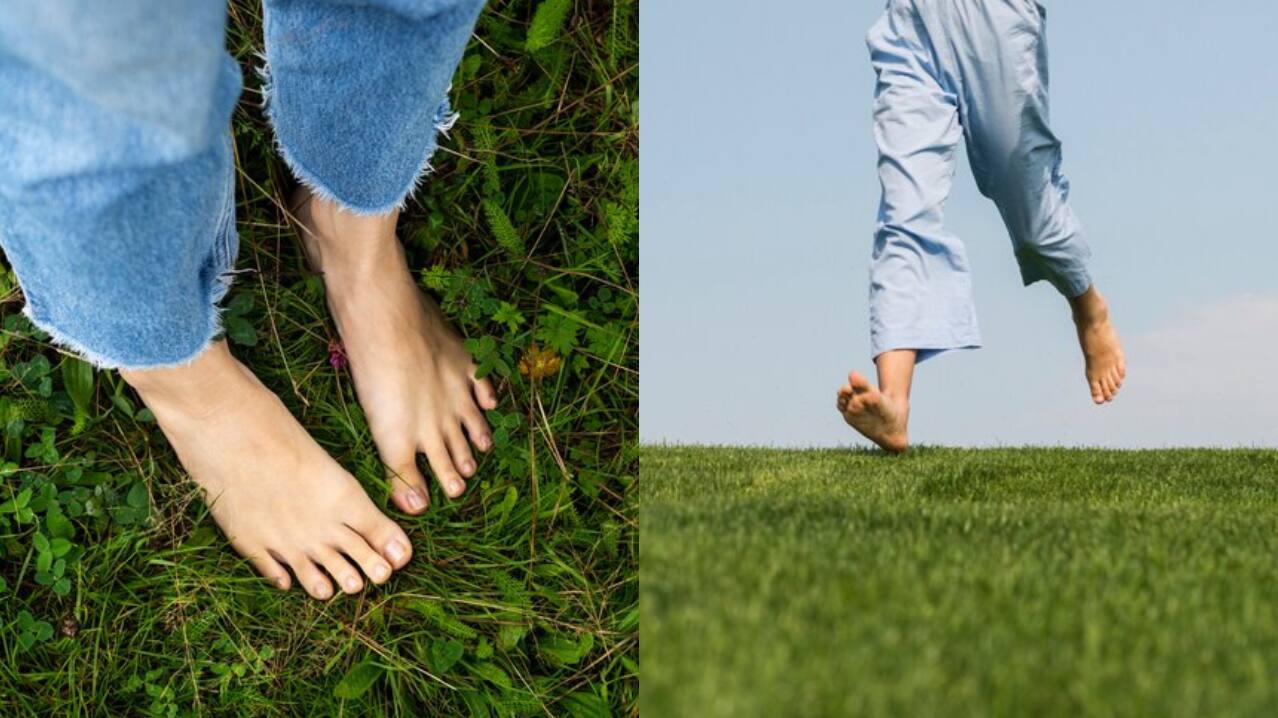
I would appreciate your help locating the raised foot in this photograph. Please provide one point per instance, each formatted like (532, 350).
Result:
(878, 417)
(282, 502)
(415, 379)
(1105, 366)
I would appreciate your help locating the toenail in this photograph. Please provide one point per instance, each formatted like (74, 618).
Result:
(415, 500)
(381, 571)
(468, 467)
(352, 584)
(281, 582)
(395, 551)
(458, 487)
(321, 590)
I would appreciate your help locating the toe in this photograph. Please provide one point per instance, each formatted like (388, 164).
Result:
(445, 473)
(477, 429)
(384, 535)
(312, 580)
(270, 569)
(373, 564)
(1098, 396)
(408, 486)
(459, 449)
(485, 394)
(858, 382)
(346, 576)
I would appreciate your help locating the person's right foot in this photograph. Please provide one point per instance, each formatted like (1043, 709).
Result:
(280, 499)
(879, 417)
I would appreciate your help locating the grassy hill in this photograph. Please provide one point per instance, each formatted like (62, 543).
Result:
(959, 582)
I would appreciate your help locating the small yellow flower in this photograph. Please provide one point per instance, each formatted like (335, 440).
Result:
(539, 362)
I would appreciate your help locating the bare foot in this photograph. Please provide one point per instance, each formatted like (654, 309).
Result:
(414, 378)
(278, 497)
(881, 418)
(1102, 351)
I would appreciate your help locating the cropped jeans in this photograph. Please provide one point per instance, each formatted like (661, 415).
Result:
(117, 172)
(974, 70)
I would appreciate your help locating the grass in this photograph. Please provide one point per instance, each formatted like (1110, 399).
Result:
(119, 597)
(1004, 582)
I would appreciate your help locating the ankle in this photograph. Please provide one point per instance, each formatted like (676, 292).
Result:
(1090, 306)
(344, 245)
(897, 396)
(203, 380)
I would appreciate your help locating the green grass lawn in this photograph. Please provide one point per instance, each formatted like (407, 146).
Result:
(119, 597)
(1010, 582)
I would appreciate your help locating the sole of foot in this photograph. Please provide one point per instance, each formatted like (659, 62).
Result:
(280, 499)
(415, 380)
(1104, 363)
(876, 416)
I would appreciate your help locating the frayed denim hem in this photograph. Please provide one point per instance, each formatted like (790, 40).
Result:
(224, 250)
(106, 361)
(444, 121)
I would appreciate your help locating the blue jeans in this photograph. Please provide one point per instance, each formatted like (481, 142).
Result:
(117, 202)
(976, 70)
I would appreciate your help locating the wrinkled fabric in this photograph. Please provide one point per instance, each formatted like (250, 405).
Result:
(117, 178)
(974, 70)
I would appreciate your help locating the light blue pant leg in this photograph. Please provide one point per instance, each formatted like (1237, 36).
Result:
(920, 285)
(987, 61)
(996, 54)
(116, 201)
(358, 91)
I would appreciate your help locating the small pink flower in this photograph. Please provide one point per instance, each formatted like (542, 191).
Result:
(337, 354)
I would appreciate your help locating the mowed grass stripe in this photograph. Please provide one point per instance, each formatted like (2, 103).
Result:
(959, 582)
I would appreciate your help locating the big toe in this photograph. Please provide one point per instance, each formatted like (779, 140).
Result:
(859, 382)
(408, 486)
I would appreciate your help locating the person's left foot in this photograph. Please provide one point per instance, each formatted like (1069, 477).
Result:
(415, 379)
(1102, 351)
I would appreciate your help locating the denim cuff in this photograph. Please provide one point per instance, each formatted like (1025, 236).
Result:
(357, 94)
(396, 195)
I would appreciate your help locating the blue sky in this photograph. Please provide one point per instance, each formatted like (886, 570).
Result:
(759, 193)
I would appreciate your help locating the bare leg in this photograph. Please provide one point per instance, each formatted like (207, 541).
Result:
(1102, 351)
(881, 414)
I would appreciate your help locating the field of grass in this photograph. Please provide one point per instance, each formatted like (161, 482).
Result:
(1010, 582)
(119, 597)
